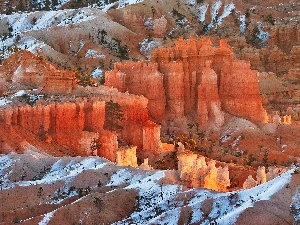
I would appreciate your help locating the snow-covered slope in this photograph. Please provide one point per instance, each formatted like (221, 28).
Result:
(58, 185)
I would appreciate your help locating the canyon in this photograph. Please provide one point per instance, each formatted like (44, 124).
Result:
(182, 112)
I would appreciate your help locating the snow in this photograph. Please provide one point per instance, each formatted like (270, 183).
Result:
(107, 7)
(202, 12)
(20, 23)
(214, 10)
(262, 35)
(4, 101)
(227, 11)
(79, 17)
(149, 23)
(46, 218)
(261, 192)
(123, 3)
(5, 163)
(120, 177)
(295, 207)
(66, 172)
(91, 53)
(243, 25)
(191, 2)
(157, 202)
(7, 100)
(97, 73)
(146, 46)
(31, 44)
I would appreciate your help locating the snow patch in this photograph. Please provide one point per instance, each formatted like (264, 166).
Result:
(227, 11)
(215, 10)
(295, 207)
(262, 35)
(123, 3)
(46, 218)
(146, 46)
(243, 25)
(202, 12)
(97, 73)
(91, 53)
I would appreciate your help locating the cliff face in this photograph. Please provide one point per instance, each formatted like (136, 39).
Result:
(180, 83)
(78, 124)
(64, 123)
(26, 70)
(239, 91)
(140, 78)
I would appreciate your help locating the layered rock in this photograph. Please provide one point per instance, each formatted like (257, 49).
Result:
(195, 172)
(236, 82)
(79, 123)
(73, 125)
(126, 156)
(209, 104)
(25, 69)
(239, 91)
(140, 78)
(178, 83)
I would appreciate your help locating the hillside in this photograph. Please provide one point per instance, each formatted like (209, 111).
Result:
(40, 189)
(149, 112)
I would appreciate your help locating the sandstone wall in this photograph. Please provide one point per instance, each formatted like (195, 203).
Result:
(194, 171)
(126, 156)
(239, 91)
(140, 78)
(237, 84)
(64, 122)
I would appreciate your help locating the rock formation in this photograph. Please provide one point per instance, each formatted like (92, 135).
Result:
(76, 124)
(126, 156)
(160, 27)
(261, 175)
(145, 165)
(192, 77)
(140, 78)
(209, 105)
(26, 69)
(195, 172)
(249, 182)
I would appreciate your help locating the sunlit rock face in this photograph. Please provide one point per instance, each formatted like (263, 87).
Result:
(194, 171)
(81, 123)
(192, 78)
(126, 156)
(69, 124)
(209, 105)
(140, 78)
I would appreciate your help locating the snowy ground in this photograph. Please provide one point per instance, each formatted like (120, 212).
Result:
(160, 200)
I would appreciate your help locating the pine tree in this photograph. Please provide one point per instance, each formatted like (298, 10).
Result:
(113, 116)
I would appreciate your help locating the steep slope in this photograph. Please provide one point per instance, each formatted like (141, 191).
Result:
(37, 188)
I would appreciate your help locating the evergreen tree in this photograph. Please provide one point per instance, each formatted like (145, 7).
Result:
(113, 116)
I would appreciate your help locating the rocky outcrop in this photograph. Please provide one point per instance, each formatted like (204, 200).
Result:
(78, 123)
(70, 124)
(239, 91)
(195, 172)
(140, 78)
(179, 82)
(160, 27)
(126, 156)
(209, 104)
(236, 82)
(26, 69)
